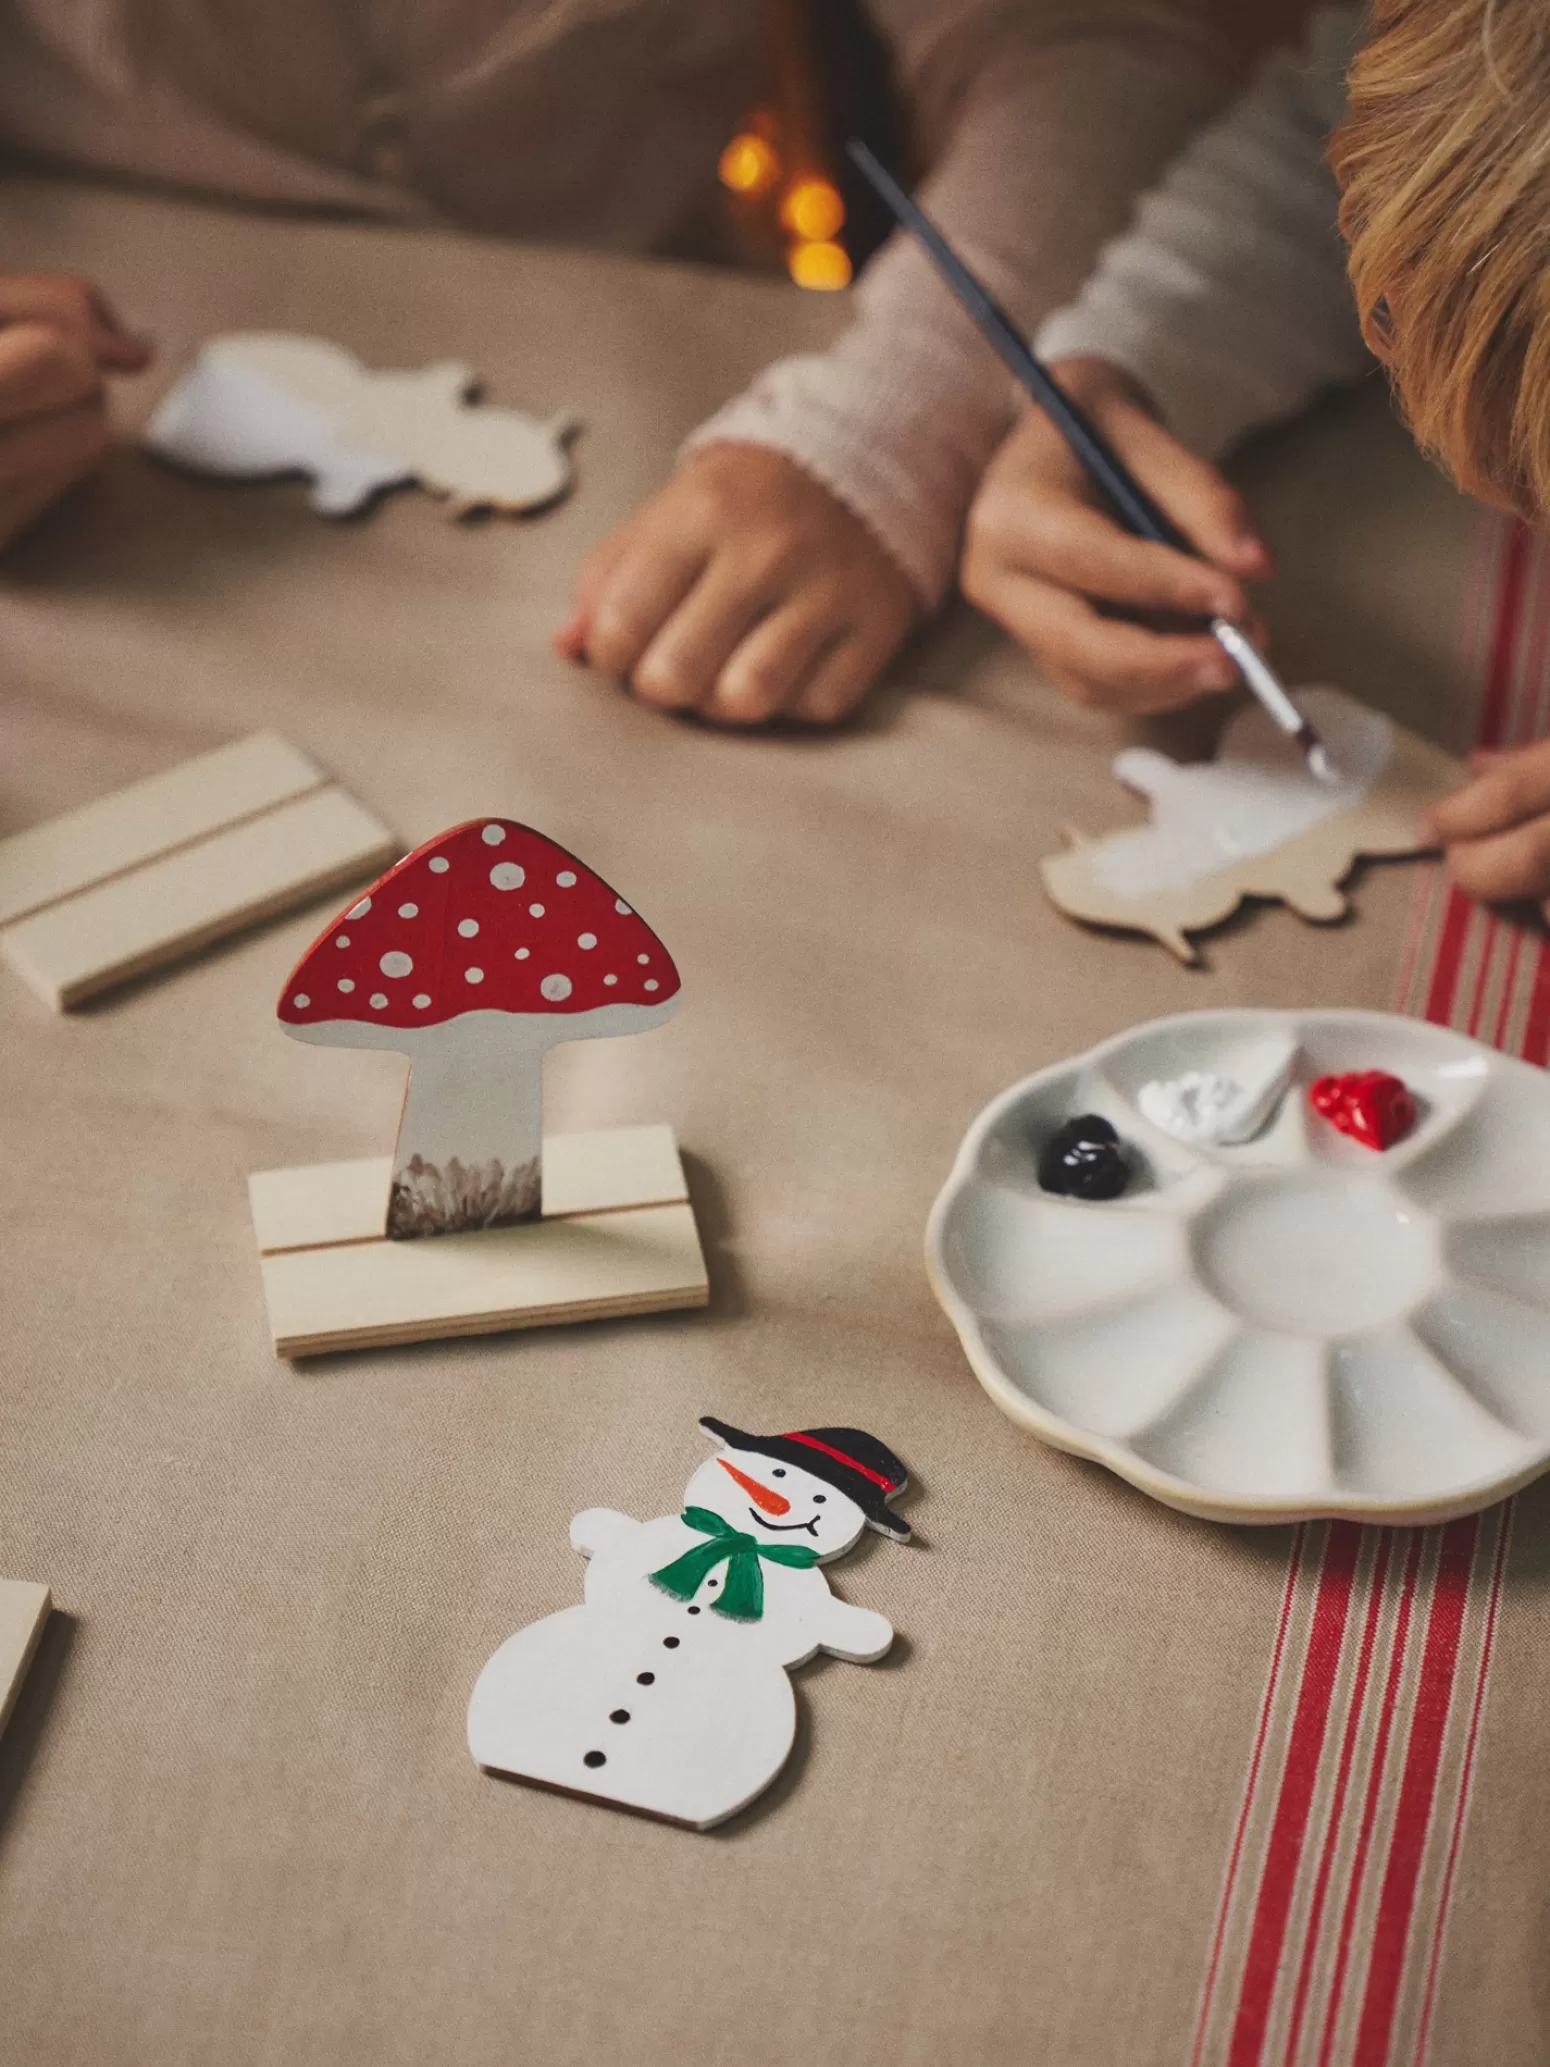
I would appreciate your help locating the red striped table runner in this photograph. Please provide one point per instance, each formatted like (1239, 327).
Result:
(1330, 1938)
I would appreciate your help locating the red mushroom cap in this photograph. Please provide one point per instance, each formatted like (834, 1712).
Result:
(489, 917)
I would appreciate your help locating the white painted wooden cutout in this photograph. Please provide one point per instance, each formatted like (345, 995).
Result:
(23, 1611)
(1254, 822)
(258, 404)
(478, 953)
(651, 1696)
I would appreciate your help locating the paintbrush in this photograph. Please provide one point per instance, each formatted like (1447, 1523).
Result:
(1119, 487)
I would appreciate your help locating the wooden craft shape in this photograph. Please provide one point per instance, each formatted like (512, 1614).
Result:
(477, 954)
(24, 1609)
(1254, 822)
(258, 404)
(156, 871)
(668, 1691)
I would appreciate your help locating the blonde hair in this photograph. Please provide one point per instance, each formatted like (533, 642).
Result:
(1444, 166)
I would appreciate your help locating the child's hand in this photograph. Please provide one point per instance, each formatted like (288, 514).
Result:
(57, 339)
(744, 591)
(1495, 832)
(1042, 552)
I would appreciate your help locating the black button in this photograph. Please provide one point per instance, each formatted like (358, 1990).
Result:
(645, 1679)
(620, 1715)
(694, 1611)
(670, 1643)
(594, 1758)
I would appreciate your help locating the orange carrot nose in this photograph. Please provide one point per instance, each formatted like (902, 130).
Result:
(761, 1496)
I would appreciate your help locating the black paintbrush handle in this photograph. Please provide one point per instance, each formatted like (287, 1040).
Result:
(1130, 502)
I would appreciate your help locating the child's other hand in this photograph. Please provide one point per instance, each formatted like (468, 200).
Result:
(1495, 832)
(1043, 552)
(57, 339)
(743, 591)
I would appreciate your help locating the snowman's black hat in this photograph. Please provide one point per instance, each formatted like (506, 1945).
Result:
(854, 1463)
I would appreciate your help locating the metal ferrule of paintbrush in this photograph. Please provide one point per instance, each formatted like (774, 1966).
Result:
(1269, 688)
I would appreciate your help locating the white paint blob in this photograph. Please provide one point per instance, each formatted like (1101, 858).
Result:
(606, 979)
(438, 864)
(301, 1001)
(1226, 1105)
(586, 940)
(346, 983)
(556, 988)
(473, 976)
(508, 875)
(421, 1000)
(523, 953)
(1256, 795)
(620, 905)
(408, 911)
(493, 835)
(395, 964)
(566, 878)
(468, 928)
(643, 958)
(535, 911)
(651, 983)
(359, 911)
(343, 940)
(378, 999)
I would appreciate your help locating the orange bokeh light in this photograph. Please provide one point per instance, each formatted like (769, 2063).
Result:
(819, 263)
(748, 165)
(813, 210)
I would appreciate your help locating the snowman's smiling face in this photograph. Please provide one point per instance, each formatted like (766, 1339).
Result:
(776, 1502)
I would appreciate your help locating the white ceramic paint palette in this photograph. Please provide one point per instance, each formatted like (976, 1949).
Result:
(1291, 1326)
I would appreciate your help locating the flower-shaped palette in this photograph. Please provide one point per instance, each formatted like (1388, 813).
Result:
(1296, 1326)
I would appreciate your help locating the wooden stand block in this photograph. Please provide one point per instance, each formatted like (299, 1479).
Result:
(23, 1612)
(618, 1237)
(165, 867)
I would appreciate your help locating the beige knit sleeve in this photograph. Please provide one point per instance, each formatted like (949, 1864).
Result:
(1043, 121)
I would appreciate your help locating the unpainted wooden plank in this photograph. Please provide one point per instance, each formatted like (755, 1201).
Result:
(601, 1170)
(644, 1259)
(23, 1611)
(130, 826)
(182, 902)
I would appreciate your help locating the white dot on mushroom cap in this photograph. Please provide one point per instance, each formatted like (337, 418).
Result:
(523, 953)
(408, 911)
(586, 940)
(610, 979)
(343, 940)
(651, 983)
(536, 911)
(508, 875)
(565, 878)
(396, 964)
(359, 911)
(421, 1000)
(439, 864)
(556, 987)
(620, 905)
(468, 928)
(493, 835)
(301, 1001)
(643, 958)
(345, 983)
(474, 975)
(378, 999)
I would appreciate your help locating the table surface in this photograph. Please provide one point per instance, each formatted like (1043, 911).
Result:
(238, 1821)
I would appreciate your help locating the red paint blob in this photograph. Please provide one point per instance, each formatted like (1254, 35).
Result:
(1371, 1106)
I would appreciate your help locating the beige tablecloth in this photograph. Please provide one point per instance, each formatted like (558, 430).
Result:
(238, 1821)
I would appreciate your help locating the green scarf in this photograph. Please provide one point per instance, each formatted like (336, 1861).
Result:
(743, 1596)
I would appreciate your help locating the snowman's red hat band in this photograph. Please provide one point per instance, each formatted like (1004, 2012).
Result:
(793, 1435)
(853, 1462)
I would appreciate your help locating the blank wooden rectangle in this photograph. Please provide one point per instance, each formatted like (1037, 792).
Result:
(643, 1260)
(601, 1171)
(170, 907)
(23, 1612)
(47, 862)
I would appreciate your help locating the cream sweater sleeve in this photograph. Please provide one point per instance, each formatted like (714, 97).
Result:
(1043, 119)
(1228, 299)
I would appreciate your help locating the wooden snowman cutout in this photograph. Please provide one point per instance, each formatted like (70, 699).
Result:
(668, 1691)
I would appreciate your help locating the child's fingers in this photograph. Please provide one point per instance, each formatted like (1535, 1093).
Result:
(1506, 866)
(1512, 788)
(769, 667)
(680, 666)
(841, 678)
(1062, 539)
(43, 370)
(627, 593)
(1113, 666)
(1195, 495)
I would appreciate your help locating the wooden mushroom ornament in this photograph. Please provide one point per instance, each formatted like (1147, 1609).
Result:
(478, 953)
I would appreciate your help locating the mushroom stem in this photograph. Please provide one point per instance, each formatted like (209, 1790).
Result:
(470, 1142)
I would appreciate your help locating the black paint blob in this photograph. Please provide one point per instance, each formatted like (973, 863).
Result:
(1085, 1159)
(620, 1715)
(645, 1679)
(594, 1758)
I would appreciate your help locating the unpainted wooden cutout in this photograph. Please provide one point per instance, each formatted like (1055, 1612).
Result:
(263, 403)
(23, 1611)
(1255, 823)
(668, 1691)
(145, 917)
(477, 954)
